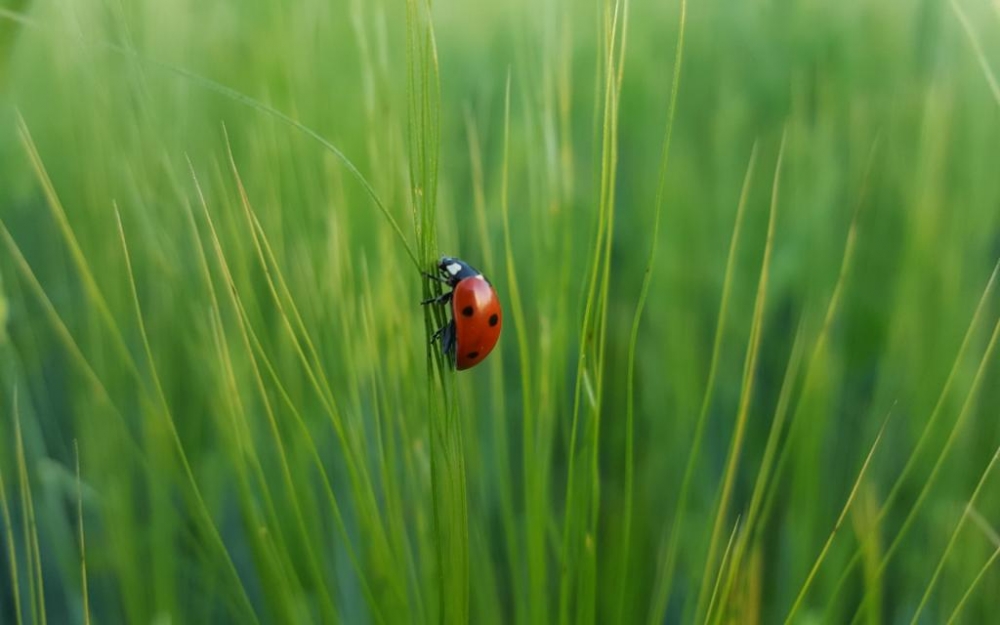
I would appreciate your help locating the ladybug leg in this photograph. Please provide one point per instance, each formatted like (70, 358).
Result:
(440, 299)
(447, 335)
(438, 334)
(448, 340)
(436, 278)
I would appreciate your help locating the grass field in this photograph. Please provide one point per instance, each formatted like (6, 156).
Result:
(747, 254)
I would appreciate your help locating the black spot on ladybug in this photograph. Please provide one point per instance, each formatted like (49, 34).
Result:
(472, 355)
(494, 319)
(467, 311)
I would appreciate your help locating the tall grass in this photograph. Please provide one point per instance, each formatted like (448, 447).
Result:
(747, 257)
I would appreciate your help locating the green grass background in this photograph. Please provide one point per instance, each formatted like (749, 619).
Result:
(217, 401)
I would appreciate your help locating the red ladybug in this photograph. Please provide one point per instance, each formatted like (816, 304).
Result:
(475, 310)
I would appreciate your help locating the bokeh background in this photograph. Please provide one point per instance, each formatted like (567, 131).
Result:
(218, 402)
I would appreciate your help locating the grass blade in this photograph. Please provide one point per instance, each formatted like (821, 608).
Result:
(83, 543)
(925, 489)
(749, 376)
(33, 555)
(836, 526)
(15, 586)
(925, 434)
(647, 280)
(954, 537)
(668, 555)
(982, 571)
(977, 49)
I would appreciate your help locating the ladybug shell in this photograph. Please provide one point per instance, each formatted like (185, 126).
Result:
(478, 320)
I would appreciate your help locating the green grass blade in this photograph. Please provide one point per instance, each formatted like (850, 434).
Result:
(977, 49)
(954, 537)
(746, 393)
(79, 259)
(84, 591)
(819, 348)
(956, 429)
(726, 553)
(578, 552)
(928, 428)
(15, 586)
(533, 488)
(982, 571)
(205, 516)
(242, 98)
(33, 556)
(667, 559)
(836, 526)
(647, 280)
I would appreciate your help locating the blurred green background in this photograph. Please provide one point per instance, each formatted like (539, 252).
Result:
(206, 303)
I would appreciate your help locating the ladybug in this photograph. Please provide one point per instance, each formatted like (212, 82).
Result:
(475, 313)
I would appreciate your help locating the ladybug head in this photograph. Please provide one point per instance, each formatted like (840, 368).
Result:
(455, 269)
